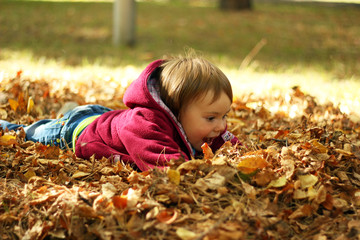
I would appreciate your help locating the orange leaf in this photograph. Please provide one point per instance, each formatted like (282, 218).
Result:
(207, 151)
(22, 103)
(251, 162)
(18, 73)
(281, 134)
(13, 104)
(120, 201)
(167, 216)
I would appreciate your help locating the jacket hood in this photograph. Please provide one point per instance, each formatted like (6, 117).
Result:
(138, 93)
(143, 93)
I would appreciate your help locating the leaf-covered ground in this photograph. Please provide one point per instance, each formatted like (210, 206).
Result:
(296, 176)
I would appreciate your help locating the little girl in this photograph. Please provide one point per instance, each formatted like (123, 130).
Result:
(174, 107)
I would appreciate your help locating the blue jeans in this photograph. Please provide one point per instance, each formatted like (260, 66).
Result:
(57, 132)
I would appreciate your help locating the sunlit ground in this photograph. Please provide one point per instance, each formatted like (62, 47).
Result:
(323, 86)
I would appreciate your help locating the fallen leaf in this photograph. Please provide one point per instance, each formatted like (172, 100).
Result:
(212, 181)
(191, 165)
(318, 147)
(300, 194)
(13, 104)
(167, 216)
(208, 154)
(132, 196)
(279, 182)
(264, 177)
(185, 234)
(30, 105)
(251, 162)
(120, 201)
(8, 140)
(80, 174)
(346, 153)
(108, 190)
(29, 174)
(308, 180)
(3, 113)
(250, 191)
(303, 211)
(174, 176)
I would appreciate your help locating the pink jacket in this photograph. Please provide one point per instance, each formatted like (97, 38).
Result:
(147, 134)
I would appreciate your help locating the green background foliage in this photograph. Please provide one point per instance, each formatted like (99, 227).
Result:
(324, 37)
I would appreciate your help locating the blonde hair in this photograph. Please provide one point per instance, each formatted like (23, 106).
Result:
(185, 79)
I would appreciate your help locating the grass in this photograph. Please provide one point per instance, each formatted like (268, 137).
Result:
(306, 43)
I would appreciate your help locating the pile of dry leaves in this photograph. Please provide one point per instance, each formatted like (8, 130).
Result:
(296, 176)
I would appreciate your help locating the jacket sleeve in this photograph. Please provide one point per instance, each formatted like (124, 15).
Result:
(151, 140)
(86, 149)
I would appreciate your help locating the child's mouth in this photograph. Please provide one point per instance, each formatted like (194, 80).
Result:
(208, 140)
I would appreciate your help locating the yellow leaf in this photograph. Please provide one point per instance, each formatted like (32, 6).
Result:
(30, 173)
(318, 147)
(308, 180)
(3, 114)
(343, 152)
(185, 234)
(251, 162)
(13, 104)
(174, 176)
(280, 182)
(30, 105)
(311, 193)
(80, 174)
(7, 140)
(299, 194)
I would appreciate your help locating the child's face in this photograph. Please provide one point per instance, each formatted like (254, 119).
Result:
(204, 120)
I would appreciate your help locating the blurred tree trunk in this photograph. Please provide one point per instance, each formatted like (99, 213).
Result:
(235, 4)
(124, 22)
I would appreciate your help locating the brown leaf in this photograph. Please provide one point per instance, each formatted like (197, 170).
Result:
(303, 211)
(264, 177)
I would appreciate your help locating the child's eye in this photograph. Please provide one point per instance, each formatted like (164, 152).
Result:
(210, 119)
